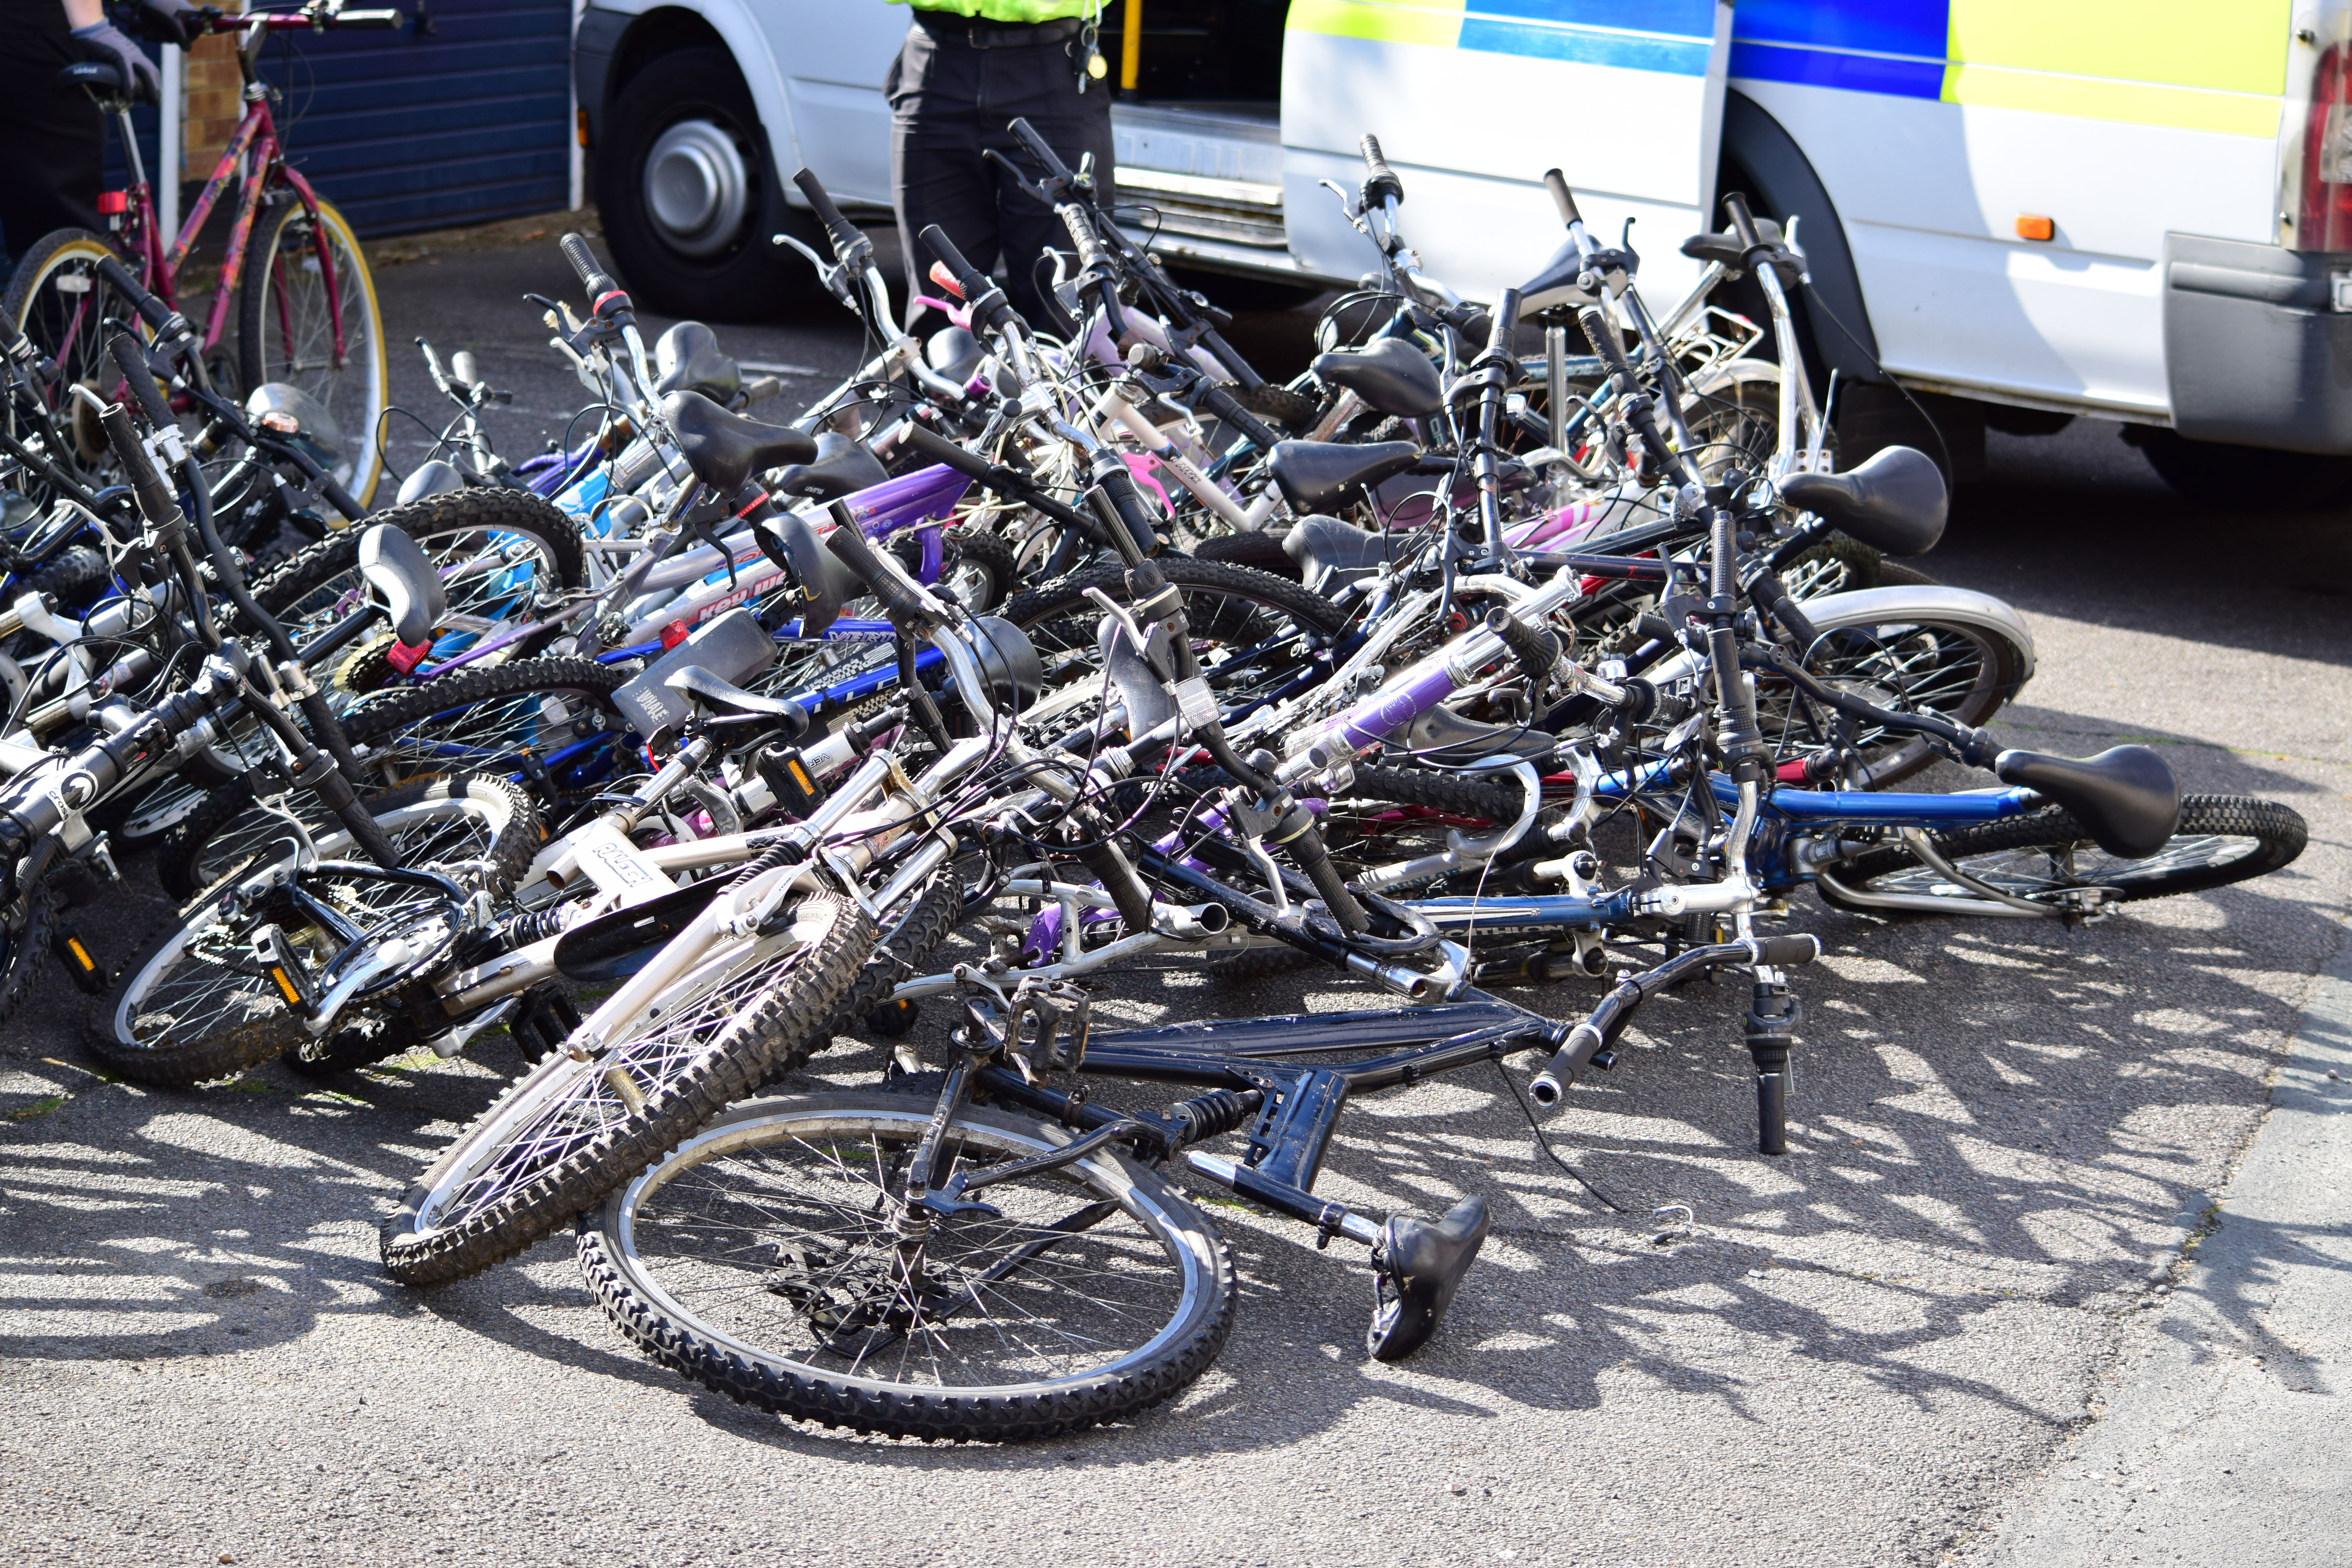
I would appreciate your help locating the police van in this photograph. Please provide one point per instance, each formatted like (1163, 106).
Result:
(2023, 211)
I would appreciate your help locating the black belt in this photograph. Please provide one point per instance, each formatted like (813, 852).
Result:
(948, 27)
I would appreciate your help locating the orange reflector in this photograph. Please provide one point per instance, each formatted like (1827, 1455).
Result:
(799, 774)
(2031, 227)
(81, 953)
(584, 128)
(293, 997)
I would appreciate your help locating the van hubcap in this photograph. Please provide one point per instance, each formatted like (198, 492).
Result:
(697, 188)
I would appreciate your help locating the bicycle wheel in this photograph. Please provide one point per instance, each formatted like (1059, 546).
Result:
(307, 316)
(57, 298)
(575, 1127)
(497, 551)
(2221, 839)
(766, 1259)
(23, 939)
(197, 1004)
(1916, 657)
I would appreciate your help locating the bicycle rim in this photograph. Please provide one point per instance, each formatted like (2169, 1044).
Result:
(289, 332)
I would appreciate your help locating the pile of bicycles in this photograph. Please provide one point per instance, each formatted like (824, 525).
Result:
(1033, 654)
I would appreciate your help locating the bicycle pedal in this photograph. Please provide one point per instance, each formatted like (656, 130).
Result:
(90, 976)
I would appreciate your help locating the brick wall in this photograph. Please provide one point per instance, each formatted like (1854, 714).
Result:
(213, 107)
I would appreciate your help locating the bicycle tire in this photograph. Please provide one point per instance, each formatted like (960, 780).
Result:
(553, 1143)
(195, 851)
(69, 335)
(235, 1020)
(354, 393)
(306, 590)
(1183, 1329)
(25, 927)
(2267, 834)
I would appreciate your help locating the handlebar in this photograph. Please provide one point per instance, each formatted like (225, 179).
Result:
(1026, 135)
(141, 378)
(593, 278)
(846, 235)
(1505, 326)
(1743, 222)
(907, 601)
(981, 296)
(151, 310)
(155, 501)
(1381, 182)
(1536, 651)
(1561, 196)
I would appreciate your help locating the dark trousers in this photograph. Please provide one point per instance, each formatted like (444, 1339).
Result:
(949, 102)
(52, 138)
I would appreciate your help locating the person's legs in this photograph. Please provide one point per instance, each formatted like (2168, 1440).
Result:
(936, 171)
(52, 139)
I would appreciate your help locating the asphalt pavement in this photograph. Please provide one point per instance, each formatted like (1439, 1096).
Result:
(1895, 1344)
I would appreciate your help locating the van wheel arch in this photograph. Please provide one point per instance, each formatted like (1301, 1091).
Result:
(1760, 158)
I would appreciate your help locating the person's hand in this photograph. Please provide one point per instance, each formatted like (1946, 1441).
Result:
(104, 42)
(164, 21)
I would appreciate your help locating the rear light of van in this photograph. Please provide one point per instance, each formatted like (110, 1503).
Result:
(2324, 217)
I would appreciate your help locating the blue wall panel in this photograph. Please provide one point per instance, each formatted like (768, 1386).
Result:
(458, 118)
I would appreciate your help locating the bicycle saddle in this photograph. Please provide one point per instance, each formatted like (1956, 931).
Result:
(955, 354)
(102, 79)
(1895, 502)
(723, 449)
(1727, 248)
(1555, 285)
(789, 541)
(842, 467)
(1315, 476)
(397, 568)
(689, 359)
(1417, 1267)
(1389, 374)
(2126, 798)
(1331, 554)
(1008, 663)
(432, 477)
(1442, 737)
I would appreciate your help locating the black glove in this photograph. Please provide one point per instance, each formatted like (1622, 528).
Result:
(103, 42)
(163, 21)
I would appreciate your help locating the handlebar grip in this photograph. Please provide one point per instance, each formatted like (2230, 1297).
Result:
(1536, 651)
(1743, 222)
(1116, 525)
(155, 502)
(1088, 244)
(593, 278)
(1026, 135)
(1561, 196)
(141, 379)
(1606, 343)
(940, 449)
(368, 19)
(1505, 326)
(905, 600)
(844, 232)
(1381, 182)
(968, 279)
(462, 369)
(1786, 951)
(151, 310)
(1551, 1086)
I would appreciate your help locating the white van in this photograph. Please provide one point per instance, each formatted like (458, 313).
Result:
(2021, 210)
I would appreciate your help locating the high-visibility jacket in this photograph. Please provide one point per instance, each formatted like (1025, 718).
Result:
(1006, 11)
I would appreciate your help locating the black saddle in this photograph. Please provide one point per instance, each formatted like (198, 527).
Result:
(1419, 1265)
(723, 449)
(2127, 797)
(1315, 476)
(1727, 248)
(689, 359)
(1555, 285)
(842, 467)
(99, 79)
(1331, 554)
(396, 567)
(827, 584)
(1389, 374)
(1895, 502)
(954, 352)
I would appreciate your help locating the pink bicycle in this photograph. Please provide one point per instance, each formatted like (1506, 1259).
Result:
(306, 309)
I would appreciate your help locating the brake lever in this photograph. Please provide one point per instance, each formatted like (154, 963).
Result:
(834, 276)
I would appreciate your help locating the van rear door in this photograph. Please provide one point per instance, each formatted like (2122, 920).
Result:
(1626, 97)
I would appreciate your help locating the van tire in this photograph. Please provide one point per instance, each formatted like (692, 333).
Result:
(2241, 479)
(749, 279)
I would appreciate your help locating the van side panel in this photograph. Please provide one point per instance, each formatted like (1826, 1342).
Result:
(1471, 107)
(1936, 124)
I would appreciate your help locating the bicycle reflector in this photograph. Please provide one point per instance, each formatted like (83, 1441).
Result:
(113, 203)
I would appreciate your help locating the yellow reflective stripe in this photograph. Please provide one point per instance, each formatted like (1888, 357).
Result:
(2094, 98)
(1436, 23)
(2231, 45)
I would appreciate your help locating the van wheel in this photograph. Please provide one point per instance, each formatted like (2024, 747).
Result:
(2241, 479)
(689, 200)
